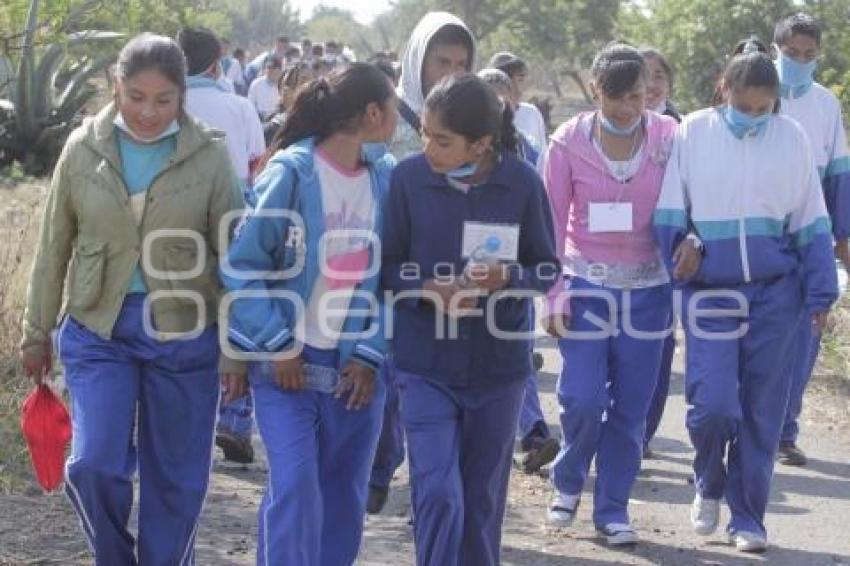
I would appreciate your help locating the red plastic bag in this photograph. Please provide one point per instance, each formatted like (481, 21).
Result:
(47, 430)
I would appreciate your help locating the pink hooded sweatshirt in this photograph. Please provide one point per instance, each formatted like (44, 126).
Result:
(576, 175)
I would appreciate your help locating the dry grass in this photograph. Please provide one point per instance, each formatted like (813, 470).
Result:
(20, 205)
(832, 373)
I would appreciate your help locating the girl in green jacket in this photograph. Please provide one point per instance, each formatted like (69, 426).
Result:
(140, 205)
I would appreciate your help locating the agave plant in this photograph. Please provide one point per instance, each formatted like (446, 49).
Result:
(36, 121)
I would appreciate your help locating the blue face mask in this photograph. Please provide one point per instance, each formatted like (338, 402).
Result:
(463, 171)
(741, 124)
(370, 152)
(615, 130)
(795, 74)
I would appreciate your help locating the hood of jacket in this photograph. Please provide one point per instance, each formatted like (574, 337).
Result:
(410, 84)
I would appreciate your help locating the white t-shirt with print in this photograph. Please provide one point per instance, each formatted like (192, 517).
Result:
(349, 211)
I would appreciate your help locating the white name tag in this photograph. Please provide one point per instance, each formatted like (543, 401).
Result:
(610, 217)
(483, 241)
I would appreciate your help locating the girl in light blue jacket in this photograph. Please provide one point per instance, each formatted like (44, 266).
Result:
(303, 276)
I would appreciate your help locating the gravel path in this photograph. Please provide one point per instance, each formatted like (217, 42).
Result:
(807, 522)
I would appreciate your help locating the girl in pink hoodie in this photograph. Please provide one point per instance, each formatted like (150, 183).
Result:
(603, 172)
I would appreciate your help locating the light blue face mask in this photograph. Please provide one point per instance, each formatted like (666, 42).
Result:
(794, 74)
(615, 130)
(371, 152)
(742, 124)
(121, 124)
(463, 171)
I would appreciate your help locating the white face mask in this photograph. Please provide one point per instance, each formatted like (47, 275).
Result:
(121, 124)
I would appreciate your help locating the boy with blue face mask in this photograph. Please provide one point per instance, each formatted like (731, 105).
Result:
(797, 41)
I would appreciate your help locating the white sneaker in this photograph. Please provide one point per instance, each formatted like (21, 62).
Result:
(705, 515)
(562, 510)
(619, 534)
(745, 541)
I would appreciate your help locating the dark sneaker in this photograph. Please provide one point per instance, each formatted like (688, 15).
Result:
(236, 449)
(540, 456)
(538, 436)
(537, 361)
(790, 455)
(377, 499)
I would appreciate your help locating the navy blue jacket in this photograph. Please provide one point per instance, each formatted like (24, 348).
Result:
(423, 227)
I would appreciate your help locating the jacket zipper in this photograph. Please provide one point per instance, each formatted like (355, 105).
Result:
(125, 202)
(742, 235)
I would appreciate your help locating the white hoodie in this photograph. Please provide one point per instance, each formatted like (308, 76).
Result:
(406, 140)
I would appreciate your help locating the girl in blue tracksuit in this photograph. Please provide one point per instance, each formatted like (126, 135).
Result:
(304, 280)
(536, 441)
(467, 218)
(742, 221)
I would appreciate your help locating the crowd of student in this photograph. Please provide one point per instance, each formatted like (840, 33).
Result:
(334, 267)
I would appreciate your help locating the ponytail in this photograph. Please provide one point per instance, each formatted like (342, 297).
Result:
(737, 69)
(309, 116)
(501, 84)
(327, 105)
(508, 137)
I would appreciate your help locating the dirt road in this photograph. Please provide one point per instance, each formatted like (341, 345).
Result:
(808, 517)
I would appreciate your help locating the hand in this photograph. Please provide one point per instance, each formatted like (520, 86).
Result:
(490, 276)
(557, 325)
(290, 373)
(842, 252)
(446, 291)
(233, 386)
(37, 363)
(687, 259)
(820, 321)
(360, 381)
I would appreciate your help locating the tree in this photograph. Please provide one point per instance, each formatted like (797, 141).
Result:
(261, 21)
(697, 36)
(834, 16)
(561, 36)
(42, 111)
(557, 35)
(392, 29)
(335, 24)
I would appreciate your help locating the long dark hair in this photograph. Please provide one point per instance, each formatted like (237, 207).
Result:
(470, 107)
(289, 79)
(332, 104)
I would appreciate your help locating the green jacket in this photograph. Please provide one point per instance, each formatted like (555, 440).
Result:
(88, 221)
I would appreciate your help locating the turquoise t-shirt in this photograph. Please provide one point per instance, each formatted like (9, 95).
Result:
(141, 162)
